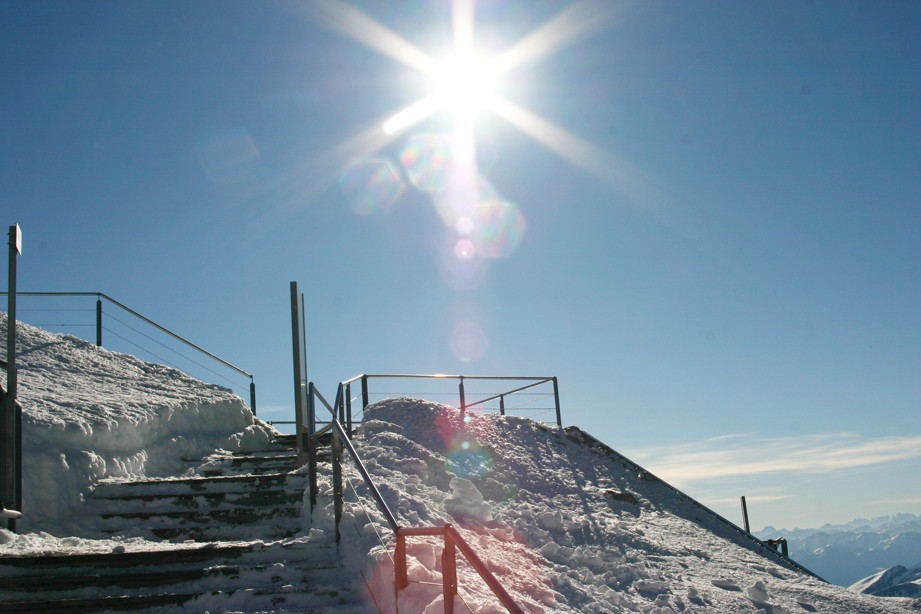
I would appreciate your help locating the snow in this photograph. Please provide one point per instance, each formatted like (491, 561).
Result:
(564, 523)
(893, 582)
(90, 414)
(845, 553)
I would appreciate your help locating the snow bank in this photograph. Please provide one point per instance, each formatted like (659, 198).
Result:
(90, 414)
(563, 524)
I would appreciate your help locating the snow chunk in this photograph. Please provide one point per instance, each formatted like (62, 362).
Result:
(466, 502)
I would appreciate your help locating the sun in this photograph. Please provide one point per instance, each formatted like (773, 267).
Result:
(465, 83)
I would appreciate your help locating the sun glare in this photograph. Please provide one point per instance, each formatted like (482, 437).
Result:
(464, 83)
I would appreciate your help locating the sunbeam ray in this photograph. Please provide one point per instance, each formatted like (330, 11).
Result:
(612, 170)
(577, 22)
(359, 27)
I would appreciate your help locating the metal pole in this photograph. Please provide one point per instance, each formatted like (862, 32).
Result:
(745, 514)
(252, 396)
(299, 357)
(98, 322)
(11, 380)
(348, 409)
(364, 392)
(502, 404)
(337, 482)
(10, 429)
(463, 404)
(556, 401)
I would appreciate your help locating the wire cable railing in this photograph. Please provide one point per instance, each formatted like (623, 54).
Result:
(130, 333)
(538, 396)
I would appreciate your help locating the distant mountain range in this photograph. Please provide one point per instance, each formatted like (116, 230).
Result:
(849, 553)
(894, 582)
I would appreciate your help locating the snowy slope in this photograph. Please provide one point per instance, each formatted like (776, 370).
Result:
(845, 553)
(565, 525)
(893, 582)
(90, 414)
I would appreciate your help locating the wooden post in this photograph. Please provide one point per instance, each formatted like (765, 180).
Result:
(449, 571)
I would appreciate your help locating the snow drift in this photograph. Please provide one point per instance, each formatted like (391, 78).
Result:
(566, 524)
(90, 414)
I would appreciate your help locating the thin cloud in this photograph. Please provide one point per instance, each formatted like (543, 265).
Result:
(748, 499)
(723, 457)
(914, 501)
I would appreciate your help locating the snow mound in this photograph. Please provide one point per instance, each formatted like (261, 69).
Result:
(90, 414)
(565, 524)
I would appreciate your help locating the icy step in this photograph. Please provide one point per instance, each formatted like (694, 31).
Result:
(302, 574)
(163, 503)
(195, 485)
(246, 463)
(218, 525)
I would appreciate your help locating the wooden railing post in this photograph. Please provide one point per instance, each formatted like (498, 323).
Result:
(449, 570)
(399, 563)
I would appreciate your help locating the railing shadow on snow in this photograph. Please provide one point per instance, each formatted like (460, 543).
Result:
(453, 541)
(106, 321)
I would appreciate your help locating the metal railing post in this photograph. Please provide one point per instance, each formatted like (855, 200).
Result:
(337, 481)
(98, 321)
(449, 570)
(348, 408)
(556, 401)
(252, 396)
(364, 392)
(312, 470)
(502, 405)
(745, 514)
(463, 403)
(10, 410)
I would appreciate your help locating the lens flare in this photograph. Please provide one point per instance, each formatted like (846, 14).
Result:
(498, 229)
(426, 159)
(464, 250)
(372, 185)
(457, 203)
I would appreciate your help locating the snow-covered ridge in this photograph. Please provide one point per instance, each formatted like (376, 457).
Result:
(893, 582)
(90, 414)
(565, 525)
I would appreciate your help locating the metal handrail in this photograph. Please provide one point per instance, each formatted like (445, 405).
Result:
(451, 536)
(537, 381)
(101, 295)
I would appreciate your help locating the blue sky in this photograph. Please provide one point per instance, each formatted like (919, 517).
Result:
(704, 220)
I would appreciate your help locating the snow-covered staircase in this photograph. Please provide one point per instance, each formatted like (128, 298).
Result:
(227, 537)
